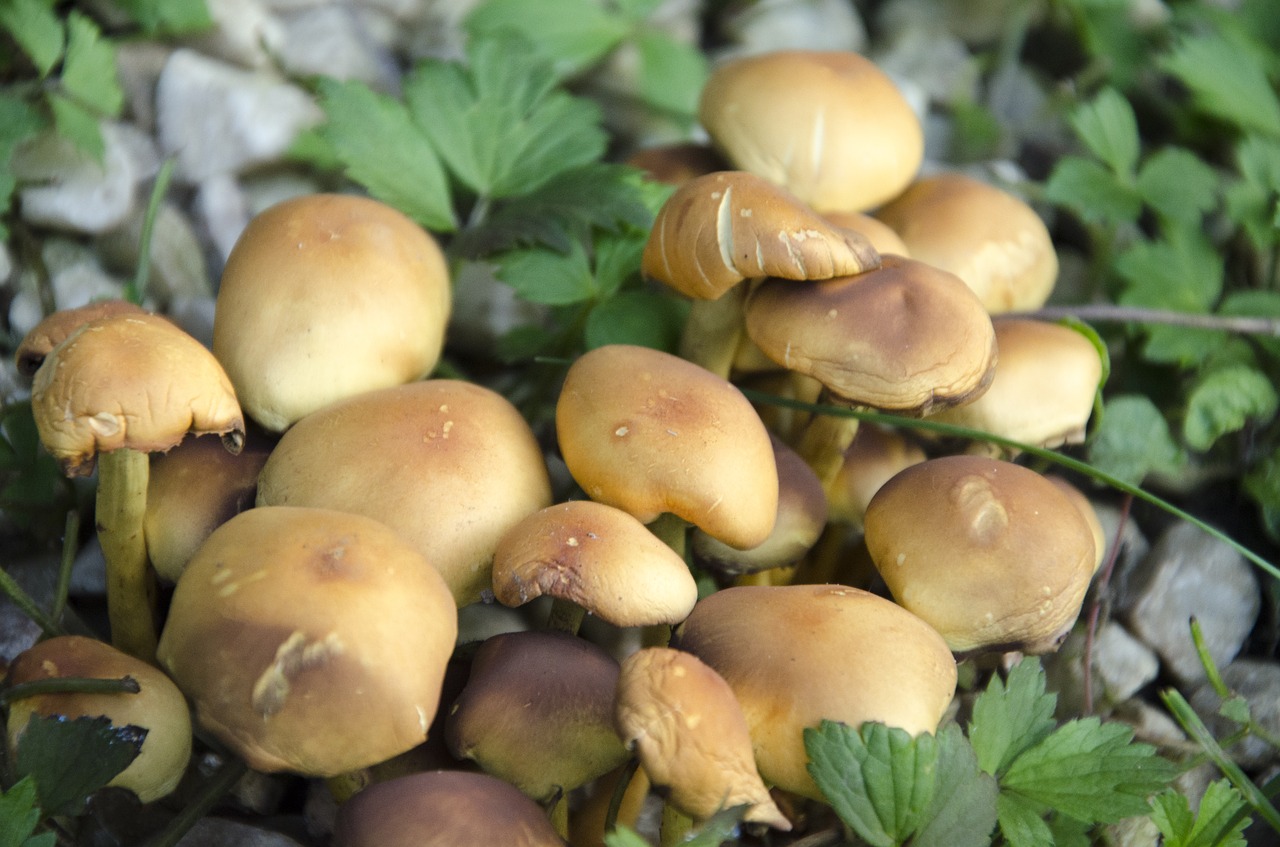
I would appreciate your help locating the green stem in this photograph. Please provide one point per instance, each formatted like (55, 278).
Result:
(28, 606)
(68, 685)
(619, 793)
(136, 290)
(70, 544)
(210, 794)
(121, 505)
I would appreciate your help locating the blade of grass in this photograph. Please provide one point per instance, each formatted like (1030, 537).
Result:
(136, 289)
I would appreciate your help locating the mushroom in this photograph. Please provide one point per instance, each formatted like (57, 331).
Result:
(53, 330)
(112, 391)
(325, 296)
(158, 707)
(993, 555)
(310, 640)
(676, 163)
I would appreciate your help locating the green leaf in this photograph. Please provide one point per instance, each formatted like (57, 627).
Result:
(77, 124)
(1180, 345)
(1225, 82)
(642, 318)
(1236, 709)
(1223, 401)
(1010, 717)
(19, 817)
(1178, 185)
(718, 828)
(1251, 201)
(1256, 304)
(878, 779)
(962, 812)
(1022, 821)
(672, 73)
(1069, 832)
(544, 276)
(175, 17)
(1107, 126)
(36, 28)
(71, 759)
(572, 34)
(89, 69)
(1090, 771)
(1092, 192)
(19, 122)
(1182, 271)
(382, 149)
(622, 836)
(1133, 440)
(1262, 483)
(1219, 823)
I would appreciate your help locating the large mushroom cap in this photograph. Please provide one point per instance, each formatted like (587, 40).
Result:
(131, 381)
(326, 296)
(310, 640)
(53, 330)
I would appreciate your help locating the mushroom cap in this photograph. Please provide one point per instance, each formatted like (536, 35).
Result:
(310, 640)
(158, 707)
(988, 237)
(448, 464)
(906, 337)
(991, 554)
(537, 711)
(795, 655)
(599, 557)
(131, 381)
(719, 229)
(1090, 515)
(649, 433)
(325, 296)
(53, 330)
(880, 234)
(443, 809)
(872, 459)
(678, 162)
(1043, 389)
(829, 126)
(687, 729)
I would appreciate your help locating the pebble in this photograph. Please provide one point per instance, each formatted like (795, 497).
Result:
(76, 277)
(1258, 682)
(340, 41)
(220, 832)
(244, 32)
(794, 24)
(70, 190)
(178, 268)
(1122, 665)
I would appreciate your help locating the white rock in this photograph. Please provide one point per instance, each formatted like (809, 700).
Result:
(195, 316)
(264, 189)
(6, 262)
(244, 32)
(218, 119)
(138, 66)
(177, 259)
(221, 210)
(937, 62)
(75, 192)
(338, 41)
(793, 25)
(1121, 666)
(75, 277)
(1258, 682)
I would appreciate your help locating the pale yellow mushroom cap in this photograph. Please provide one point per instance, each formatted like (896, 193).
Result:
(50, 332)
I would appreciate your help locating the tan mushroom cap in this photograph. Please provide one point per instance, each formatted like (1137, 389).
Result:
(310, 640)
(448, 464)
(537, 711)
(650, 433)
(598, 557)
(130, 381)
(875, 456)
(158, 707)
(829, 126)
(906, 337)
(1090, 515)
(795, 655)
(988, 237)
(53, 330)
(1044, 385)
(719, 229)
(991, 554)
(687, 729)
(326, 296)
(443, 809)
(880, 234)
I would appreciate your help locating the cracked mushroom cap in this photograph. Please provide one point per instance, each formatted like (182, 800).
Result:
(993, 555)
(158, 707)
(649, 433)
(50, 332)
(598, 557)
(797, 654)
(988, 237)
(906, 337)
(443, 809)
(687, 729)
(722, 228)
(326, 296)
(829, 126)
(309, 640)
(131, 381)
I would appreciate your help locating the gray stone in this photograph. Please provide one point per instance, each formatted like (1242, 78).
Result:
(244, 32)
(65, 188)
(794, 24)
(195, 316)
(339, 41)
(938, 62)
(178, 268)
(1189, 573)
(75, 277)
(219, 832)
(1258, 682)
(221, 211)
(1121, 666)
(6, 262)
(138, 66)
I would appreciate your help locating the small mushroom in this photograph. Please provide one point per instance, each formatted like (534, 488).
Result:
(53, 330)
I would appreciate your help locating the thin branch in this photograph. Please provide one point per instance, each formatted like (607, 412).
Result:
(1107, 313)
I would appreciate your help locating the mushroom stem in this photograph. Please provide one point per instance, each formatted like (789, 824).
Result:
(559, 815)
(823, 443)
(714, 330)
(120, 508)
(676, 825)
(565, 616)
(673, 530)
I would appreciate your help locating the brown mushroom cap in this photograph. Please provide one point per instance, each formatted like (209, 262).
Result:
(443, 809)
(678, 162)
(310, 640)
(795, 655)
(989, 238)
(829, 126)
(326, 296)
(130, 381)
(158, 707)
(906, 337)
(719, 229)
(875, 456)
(880, 234)
(650, 433)
(448, 464)
(688, 731)
(991, 554)
(598, 557)
(53, 330)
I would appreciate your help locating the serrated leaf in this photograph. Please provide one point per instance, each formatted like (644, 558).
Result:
(20, 815)
(89, 68)
(1090, 771)
(541, 275)
(1255, 304)
(71, 759)
(1225, 82)
(1092, 192)
(1236, 709)
(1219, 823)
(1133, 440)
(36, 28)
(1182, 271)
(1180, 345)
(573, 34)
(672, 73)
(19, 122)
(1022, 822)
(1223, 401)
(1251, 200)
(641, 318)
(962, 812)
(1010, 717)
(1107, 126)
(1178, 185)
(381, 148)
(1069, 832)
(878, 779)
(77, 124)
(1262, 483)
(176, 17)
